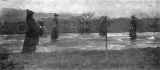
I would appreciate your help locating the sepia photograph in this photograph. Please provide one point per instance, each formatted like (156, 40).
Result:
(79, 34)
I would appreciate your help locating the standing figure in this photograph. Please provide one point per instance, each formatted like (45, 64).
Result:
(133, 29)
(41, 27)
(55, 28)
(103, 26)
(32, 34)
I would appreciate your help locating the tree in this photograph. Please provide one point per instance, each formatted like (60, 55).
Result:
(84, 21)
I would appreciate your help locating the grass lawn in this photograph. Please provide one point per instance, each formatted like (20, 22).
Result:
(128, 59)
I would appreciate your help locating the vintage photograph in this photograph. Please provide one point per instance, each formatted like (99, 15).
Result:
(79, 34)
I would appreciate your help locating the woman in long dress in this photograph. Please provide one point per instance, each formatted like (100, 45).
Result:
(32, 34)
(55, 28)
(41, 27)
(103, 26)
(133, 29)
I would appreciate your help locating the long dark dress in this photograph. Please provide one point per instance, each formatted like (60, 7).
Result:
(55, 30)
(31, 38)
(103, 27)
(54, 33)
(132, 33)
(41, 28)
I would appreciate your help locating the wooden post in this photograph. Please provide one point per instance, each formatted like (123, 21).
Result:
(106, 40)
(106, 28)
(106, 46)
(84, 28)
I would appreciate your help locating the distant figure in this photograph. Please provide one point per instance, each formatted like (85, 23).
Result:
(55, 28)
(155, 25)
(32, 34)
(133, 28)
(103, 26)
(41, 27)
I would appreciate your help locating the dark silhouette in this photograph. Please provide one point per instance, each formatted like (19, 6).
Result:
(103, 26)
(133, 28)
(32, 34)
(41, 27)
(155, 25)
(55, 28)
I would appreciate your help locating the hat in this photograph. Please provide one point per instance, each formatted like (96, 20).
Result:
(29, 12)
(133, 17)
(55, 14)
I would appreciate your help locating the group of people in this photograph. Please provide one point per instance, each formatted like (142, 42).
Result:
(34, 32)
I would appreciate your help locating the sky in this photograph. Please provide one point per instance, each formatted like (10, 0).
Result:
(111, 8)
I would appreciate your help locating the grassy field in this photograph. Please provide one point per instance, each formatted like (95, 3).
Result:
(129, 59)
(67, 54)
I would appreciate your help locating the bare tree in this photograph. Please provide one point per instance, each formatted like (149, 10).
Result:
(84, 21)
